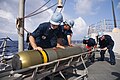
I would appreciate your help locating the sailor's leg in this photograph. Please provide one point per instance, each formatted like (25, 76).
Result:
(112, 56)
(102, 53)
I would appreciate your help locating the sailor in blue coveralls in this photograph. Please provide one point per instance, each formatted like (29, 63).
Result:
(106, 43)
(66, 33)
(90, 44)
(45, 36)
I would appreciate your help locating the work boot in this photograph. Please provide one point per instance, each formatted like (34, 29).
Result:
(112, 63)
(100, 59)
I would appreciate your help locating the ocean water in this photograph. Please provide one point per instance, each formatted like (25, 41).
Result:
(11, 47)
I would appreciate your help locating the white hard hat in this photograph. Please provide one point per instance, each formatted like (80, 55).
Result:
(70, 23)
(86, 37)
(56, 18)
(100, 34)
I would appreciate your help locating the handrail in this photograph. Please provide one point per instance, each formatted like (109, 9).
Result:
(3, 46)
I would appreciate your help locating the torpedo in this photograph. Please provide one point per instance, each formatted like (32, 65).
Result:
(25, 59)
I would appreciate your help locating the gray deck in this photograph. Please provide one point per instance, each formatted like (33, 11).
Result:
(102, 70)
(99, 70)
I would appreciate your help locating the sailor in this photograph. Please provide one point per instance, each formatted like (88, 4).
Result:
(45, 36)
(106, 43)
(90, 44)
(66, 33)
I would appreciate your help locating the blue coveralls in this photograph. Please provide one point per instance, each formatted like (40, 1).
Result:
(109, 43)
(45, 36)
(63, 34)
(90, 43)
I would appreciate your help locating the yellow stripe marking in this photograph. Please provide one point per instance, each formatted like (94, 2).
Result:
(45, 59)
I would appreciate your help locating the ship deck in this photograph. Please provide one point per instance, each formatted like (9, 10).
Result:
(99, 70)
(103, 70)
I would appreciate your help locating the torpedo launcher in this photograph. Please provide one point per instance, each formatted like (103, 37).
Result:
(29, 58)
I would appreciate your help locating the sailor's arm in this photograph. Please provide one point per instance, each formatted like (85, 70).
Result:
(33, 43)
(69, 40)
(59, 43)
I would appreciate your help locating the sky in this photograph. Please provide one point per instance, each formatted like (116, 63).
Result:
(83, 12)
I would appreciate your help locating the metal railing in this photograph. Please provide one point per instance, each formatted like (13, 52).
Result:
(103, 26)
(3, 46)
(54, 67)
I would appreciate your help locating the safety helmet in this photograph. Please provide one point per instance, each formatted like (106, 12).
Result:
(86, 37)
(100, 34)
(70, 23)
(56, 18)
